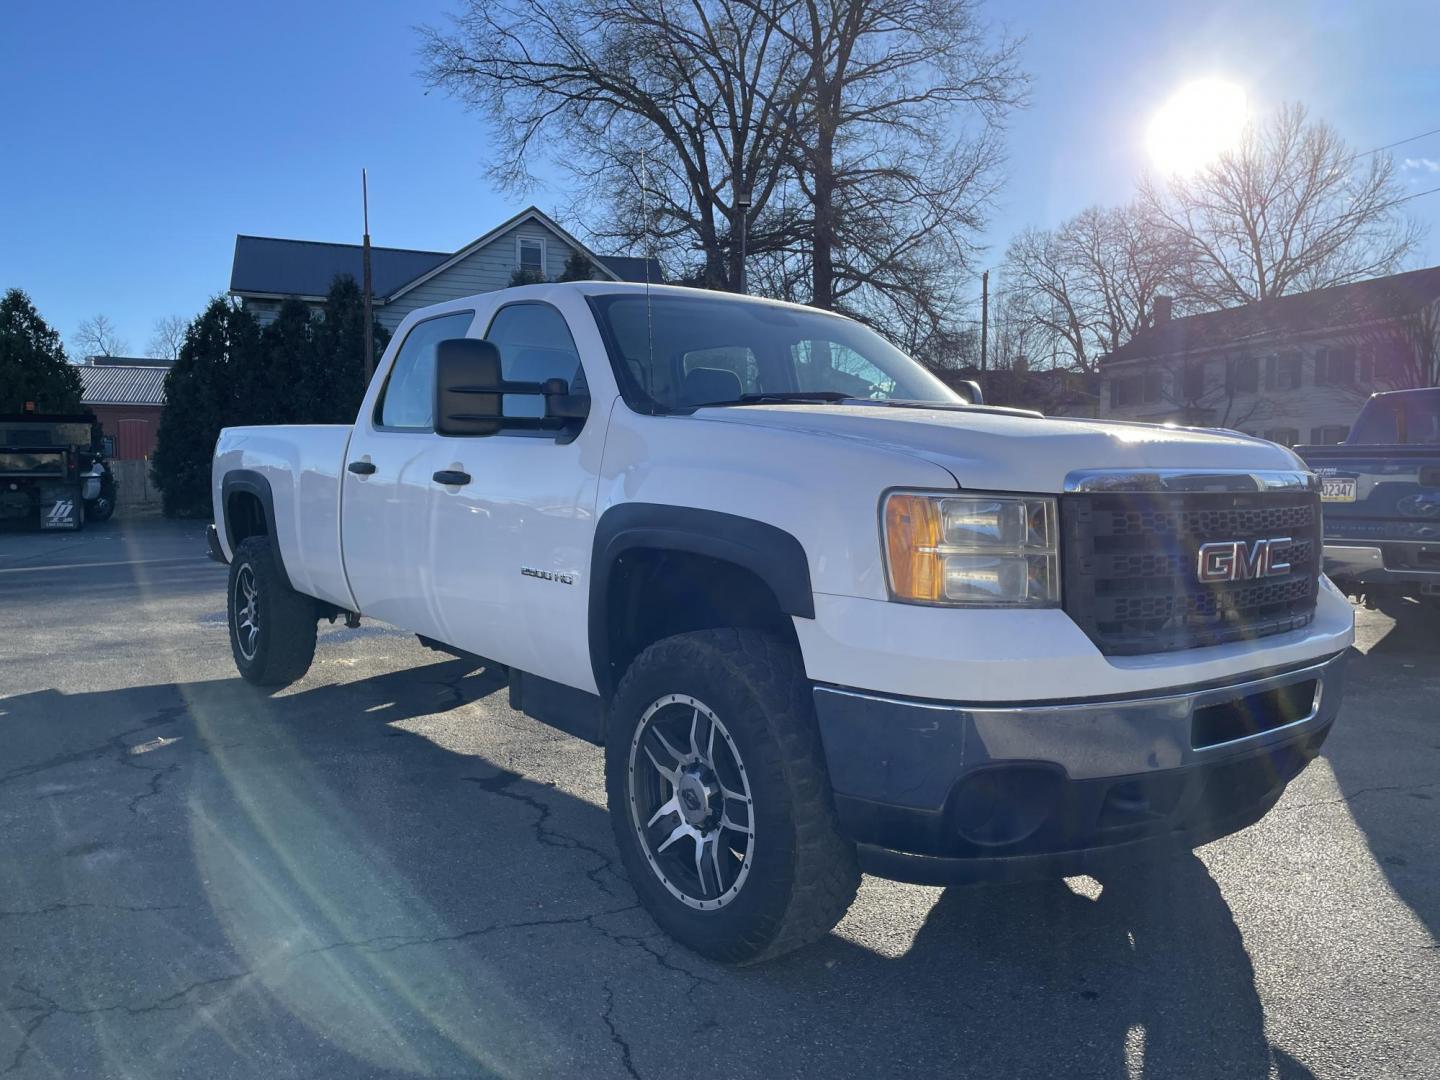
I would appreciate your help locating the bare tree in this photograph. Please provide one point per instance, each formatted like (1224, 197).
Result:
(1090, 285)
(897, 143)
(1289, 209)
(168, 337)
(97, 336)
(663, 113)
(1399, 353)
(845, 122)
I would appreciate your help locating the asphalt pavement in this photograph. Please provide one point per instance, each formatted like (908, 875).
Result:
(383, 871)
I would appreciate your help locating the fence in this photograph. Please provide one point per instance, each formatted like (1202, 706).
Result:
(136, 490)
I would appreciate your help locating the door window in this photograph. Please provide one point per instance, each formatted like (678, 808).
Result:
(535, 345)
(408, 398)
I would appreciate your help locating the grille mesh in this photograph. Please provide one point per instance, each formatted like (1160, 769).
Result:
(1131, 567)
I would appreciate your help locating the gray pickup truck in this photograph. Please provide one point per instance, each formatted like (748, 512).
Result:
(1381, 496)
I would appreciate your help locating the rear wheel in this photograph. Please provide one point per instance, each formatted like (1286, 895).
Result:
(272, 627)
(720, 800)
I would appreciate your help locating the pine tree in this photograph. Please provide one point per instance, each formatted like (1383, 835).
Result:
(577, 267)
(335, 379)
(33, 366)
(203, 393)
(278, 389)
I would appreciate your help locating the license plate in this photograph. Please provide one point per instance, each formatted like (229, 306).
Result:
(1337, 489)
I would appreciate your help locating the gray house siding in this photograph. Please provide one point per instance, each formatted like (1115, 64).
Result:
(484, 270)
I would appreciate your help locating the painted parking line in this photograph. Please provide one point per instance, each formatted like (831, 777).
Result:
(89, 565)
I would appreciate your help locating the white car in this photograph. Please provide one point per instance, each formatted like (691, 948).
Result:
(824, 614)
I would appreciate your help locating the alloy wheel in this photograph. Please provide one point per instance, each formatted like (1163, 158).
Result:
(690, 802)
(247, 612)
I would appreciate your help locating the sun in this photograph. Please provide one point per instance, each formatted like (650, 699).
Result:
(1199, 122)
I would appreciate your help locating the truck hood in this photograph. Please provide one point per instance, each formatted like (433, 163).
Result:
(999, 450)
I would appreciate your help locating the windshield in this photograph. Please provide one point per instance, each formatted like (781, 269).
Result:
(1400, 418)
(678, 352)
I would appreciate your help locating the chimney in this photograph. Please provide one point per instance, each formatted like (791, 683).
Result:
(1163, 305)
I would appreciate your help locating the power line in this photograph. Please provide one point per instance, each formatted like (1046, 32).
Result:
(1398, 142)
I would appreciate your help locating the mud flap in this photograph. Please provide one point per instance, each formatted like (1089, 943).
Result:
(61, 507)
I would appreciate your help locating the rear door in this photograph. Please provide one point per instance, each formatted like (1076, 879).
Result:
(389, 549)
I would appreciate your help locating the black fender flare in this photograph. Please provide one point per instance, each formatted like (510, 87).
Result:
(773, 555)
(250, 482)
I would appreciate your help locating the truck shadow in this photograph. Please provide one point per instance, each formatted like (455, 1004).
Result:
(204, 877)
(1385, 753)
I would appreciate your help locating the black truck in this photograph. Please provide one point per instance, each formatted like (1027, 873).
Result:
(53, 470)
(1381, 494)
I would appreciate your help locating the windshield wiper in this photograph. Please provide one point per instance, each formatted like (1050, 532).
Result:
(780, 397)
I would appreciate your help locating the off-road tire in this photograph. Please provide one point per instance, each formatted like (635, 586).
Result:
(804, 874)
(285, 644)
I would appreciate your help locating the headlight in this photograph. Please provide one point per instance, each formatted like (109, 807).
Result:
(972, 550)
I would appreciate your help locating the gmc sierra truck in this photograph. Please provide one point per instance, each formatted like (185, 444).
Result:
(1381, 489)
(824, 614)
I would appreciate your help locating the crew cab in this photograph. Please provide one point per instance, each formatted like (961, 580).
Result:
(1381, 489)
(823, 613)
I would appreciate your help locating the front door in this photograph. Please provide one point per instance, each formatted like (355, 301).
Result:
(389, 546)
(512, 575)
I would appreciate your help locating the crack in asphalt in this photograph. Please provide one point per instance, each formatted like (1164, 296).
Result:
(626, 1057)
(56, 908)
(544, 833)
(50, 1007)
(1346, 798)
(167, 715)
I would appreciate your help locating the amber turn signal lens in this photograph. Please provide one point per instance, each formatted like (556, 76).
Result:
(912, 535)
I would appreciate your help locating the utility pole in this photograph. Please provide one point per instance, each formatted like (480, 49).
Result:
(742, 203)
(984, 316)
(366, 287)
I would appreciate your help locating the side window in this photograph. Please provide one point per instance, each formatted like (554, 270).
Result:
(408, 399)
(535, 345)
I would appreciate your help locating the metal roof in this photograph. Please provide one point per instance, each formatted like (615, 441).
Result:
(631, 267)
(270, 266)
(114, 384)
(265, 264)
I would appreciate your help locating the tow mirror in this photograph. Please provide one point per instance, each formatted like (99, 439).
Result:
(467, 387)
(470, 395)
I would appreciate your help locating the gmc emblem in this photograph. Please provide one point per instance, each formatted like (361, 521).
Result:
(1234, 560)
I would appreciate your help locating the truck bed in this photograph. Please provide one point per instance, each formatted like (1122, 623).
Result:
(303, 464)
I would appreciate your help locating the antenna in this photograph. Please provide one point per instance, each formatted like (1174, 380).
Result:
(366, 288)
(647, 249)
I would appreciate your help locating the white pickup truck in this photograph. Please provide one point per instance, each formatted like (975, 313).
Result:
(824, 614)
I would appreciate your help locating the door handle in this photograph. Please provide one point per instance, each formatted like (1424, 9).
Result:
(361, 468)
(451, 476)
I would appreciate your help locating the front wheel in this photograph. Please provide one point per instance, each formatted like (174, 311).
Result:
(720, 799)
(99, 509)
(272, 627)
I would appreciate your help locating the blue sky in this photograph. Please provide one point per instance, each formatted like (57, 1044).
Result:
(141, 137)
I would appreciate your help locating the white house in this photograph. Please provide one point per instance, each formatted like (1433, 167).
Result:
(1294, 369)
(268, 270)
